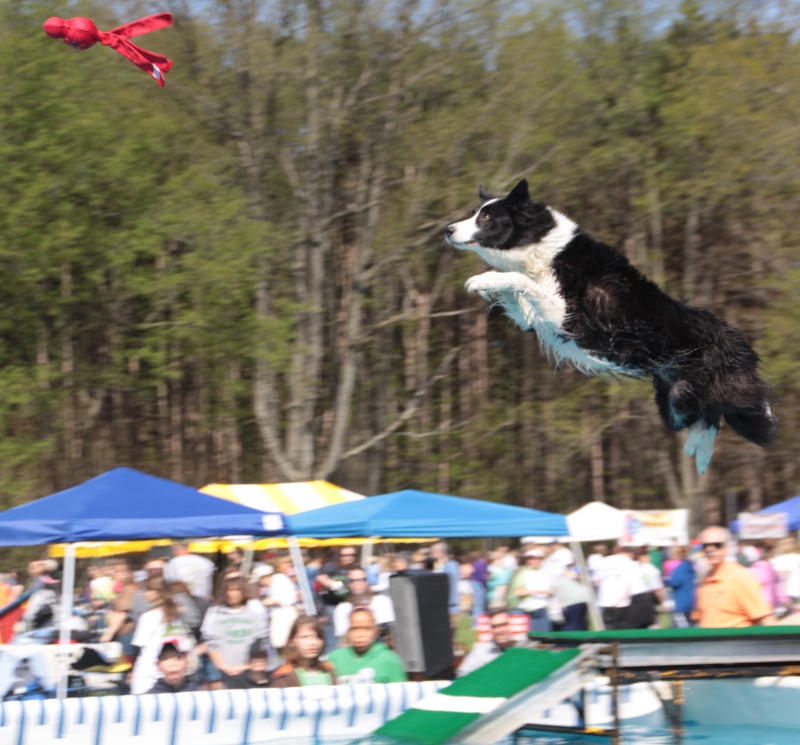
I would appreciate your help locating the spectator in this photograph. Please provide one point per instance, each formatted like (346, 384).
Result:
(282, 602)
(303, 666)
(480, 578)
(42, 608)
(196, 572)
(681, 580)
(767, 577)
(443, 562)
(235, 560)
(173, 664)
(333, 589)
(154, 567)
(509, 560)
(403, 564)
(573, 597)
(615, 583)
(728, 596)
(647, 591)
(595, 559)
(558, 560)
(484, 652)
(786, 562)
(257, 673)
(161, 622)
(118, 624)
(499, 577)
(365, 659)
(361, 595)
(676, 555)
(378, 576)
(530, 591)
(231, 626)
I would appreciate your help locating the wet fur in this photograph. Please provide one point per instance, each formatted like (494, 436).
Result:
(591, 308)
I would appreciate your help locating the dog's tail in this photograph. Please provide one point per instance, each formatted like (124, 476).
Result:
(755, 423)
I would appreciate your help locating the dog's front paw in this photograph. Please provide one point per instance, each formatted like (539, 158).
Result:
(487, 285)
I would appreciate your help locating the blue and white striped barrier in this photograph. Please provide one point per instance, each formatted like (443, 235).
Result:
(309, 715)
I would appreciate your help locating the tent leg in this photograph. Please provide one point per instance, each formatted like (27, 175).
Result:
(67, 599)
(594, 610)
(247, 560)
(366, 553)
(302, 576)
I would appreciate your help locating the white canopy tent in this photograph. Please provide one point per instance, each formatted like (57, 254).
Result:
(596, 521)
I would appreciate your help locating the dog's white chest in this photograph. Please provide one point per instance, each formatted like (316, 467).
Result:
(538, 306)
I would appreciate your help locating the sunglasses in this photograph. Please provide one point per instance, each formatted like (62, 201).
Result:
(499, 625)
(713, 545)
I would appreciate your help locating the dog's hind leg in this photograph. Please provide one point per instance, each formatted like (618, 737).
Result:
(700, 444)
(679, 407)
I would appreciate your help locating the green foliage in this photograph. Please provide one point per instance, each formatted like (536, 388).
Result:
(160, 247)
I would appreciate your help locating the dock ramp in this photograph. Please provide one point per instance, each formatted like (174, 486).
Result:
(483, 707)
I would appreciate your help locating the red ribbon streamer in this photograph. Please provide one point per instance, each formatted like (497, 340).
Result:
(82, 33)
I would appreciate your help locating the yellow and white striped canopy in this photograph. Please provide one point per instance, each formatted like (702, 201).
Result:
(289, 498)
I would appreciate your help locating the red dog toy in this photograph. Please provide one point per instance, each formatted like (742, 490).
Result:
(81, 33)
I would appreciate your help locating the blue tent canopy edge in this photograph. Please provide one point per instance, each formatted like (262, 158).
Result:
(420, 514)
(123, 505)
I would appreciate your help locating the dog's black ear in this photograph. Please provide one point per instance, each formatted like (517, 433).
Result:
(519, 194)
(484, 195)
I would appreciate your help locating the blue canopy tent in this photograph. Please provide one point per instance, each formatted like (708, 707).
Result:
(122, 505)
(790, 506)
(426, 515)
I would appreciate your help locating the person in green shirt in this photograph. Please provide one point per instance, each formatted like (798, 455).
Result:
(366, 660)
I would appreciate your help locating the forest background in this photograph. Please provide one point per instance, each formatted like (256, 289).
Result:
(241, 277)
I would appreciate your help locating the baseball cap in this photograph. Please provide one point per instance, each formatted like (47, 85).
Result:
(537, 552)
(261, 570)
(173, 645)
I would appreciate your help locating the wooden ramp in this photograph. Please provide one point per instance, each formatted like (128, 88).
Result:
(492, 702)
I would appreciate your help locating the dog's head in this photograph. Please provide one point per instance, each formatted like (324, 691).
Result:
(505, 231)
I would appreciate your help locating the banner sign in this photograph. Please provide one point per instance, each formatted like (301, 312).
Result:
(771, 525)
(656, 528)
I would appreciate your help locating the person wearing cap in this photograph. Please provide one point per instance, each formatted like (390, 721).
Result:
(257, 673)
(173, 664)
(530, 591)
(41, 610)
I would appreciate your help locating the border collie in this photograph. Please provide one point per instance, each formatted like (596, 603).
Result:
(591, 308)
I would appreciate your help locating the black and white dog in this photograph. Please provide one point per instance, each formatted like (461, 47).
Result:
(590, 307)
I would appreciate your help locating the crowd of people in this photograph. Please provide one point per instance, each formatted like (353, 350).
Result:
(185, 622)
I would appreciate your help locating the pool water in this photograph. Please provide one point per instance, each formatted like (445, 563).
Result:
(712, 735)
(702, 735)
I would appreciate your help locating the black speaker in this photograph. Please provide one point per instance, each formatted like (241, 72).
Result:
(422, 635)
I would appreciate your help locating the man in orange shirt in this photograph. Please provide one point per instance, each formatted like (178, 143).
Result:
(728, 596)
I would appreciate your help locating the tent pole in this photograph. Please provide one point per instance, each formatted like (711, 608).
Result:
(247, 559)
(302, 576)
(594, 610)
(366, 553)
(67, 598)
